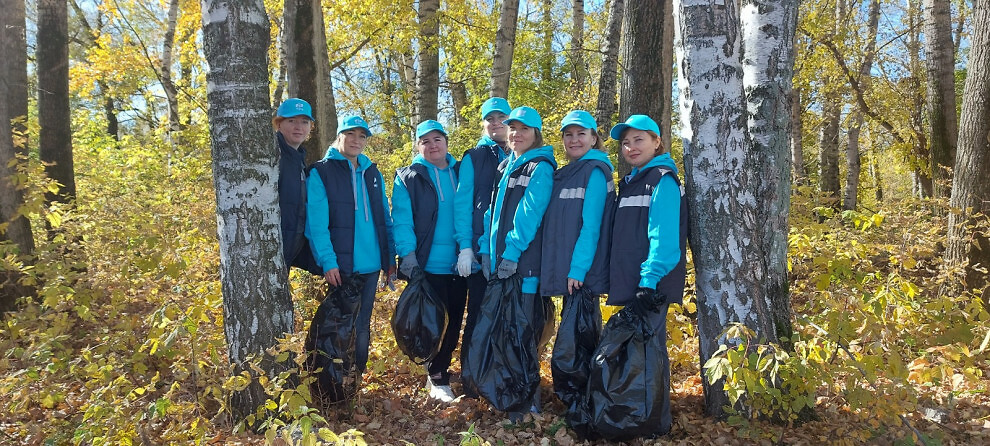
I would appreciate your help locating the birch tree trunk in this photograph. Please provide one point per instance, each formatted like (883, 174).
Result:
(578, 69)
(799, 171)
(922, 177)
(606, 80)
(853, 155)
(941, 92)
(970, 188)
(643, 88)
(308, 70)
(168, 85)
(257, 306)
(505, 42)
(55, 135)
(428, 82)
(735, 67)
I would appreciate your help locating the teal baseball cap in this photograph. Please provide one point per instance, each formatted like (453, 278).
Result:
(428, 126)
(526, 115)
(638, 122)
(352, 122)
(294, 107)
(495, 104)
(579, 118)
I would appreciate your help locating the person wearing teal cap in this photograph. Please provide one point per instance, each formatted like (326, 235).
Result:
(476, 179)
(293, 123)
(423, 211)
(512, 241)
(349, 224)
(579, 216)
(648, 255)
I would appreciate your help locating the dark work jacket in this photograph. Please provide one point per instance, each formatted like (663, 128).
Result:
(336, 176)
(423, 200)
(562, 224)
(530, 259)
(485, 161)
(631, 243)
(292, 205)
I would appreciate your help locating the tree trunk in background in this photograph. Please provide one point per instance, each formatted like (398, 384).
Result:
(606, 80)
(308, 71)
(89, 37)
(799, 171)
(11, 197)
(168, 85)
(667, 73)
(941, 92)
(257, 307)
(547, 31)
(55, 135)
(643, 91)
(921, 179)
(875, 171)
(578, 68)
(459, 96)
(390, 115)
(971, 180)
(853, 155)
(428, 82)
(407, 76)
(828, 158)
(737, 165)
(12, 25)
(505, 42)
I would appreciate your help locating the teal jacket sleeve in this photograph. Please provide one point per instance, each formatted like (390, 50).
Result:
(318, 223)
(664, 233)
(405, 237)
(389, 230)
(464, 204)
(484, 240)
(529, 214)
(591, 215)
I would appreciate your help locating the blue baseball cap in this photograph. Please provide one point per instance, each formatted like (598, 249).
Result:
(294, 107)
(428, 126)
(579, 118)
(526, 115)
(495, 104)
(638, 122)
(352, 122)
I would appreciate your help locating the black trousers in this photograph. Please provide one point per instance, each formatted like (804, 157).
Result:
(452, 290)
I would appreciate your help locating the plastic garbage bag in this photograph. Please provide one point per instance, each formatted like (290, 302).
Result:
(629, 386)
(578, 336)
(330, 342)
(502, 364)
(420, 319)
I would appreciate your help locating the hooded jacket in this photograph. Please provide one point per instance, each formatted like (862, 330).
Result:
(348, 221)
(649, 234)
(477, 174)
(291, 197)
(423, 214)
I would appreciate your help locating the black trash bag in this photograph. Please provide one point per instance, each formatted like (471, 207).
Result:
(578, 336)
(330, 342)
(420, 319)
(502, 364)
(629, 386)
(549, 322)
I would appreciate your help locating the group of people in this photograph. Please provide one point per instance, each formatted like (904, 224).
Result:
(504, 208)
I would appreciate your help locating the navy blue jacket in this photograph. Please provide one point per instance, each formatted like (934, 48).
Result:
(292, 205)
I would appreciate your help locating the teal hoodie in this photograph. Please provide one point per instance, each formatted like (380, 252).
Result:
(443, 252)
(591, 213)
(664, 224)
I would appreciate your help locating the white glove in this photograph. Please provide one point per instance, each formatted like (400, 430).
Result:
(465, 258)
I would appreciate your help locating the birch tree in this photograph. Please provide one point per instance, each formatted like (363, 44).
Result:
(257, 307)
(735, 67)
(968, 225)
(505, 42)
(941, 91)
(578, 69)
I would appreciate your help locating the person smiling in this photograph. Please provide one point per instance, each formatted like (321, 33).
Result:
(649, 235)
(348, 221)
(423, 211)
(512, 241)
(293, 122)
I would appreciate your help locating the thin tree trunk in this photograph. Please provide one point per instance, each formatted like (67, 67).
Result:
(458, 94)
(257, 306)
(877, 180)
(547, 31)
(12, 25)
(606, 80)
(941, 92)
(390, 115)
(643, 89)
(578, 69)
(970, 189)
(505, 42)
(168, 85)
(828, 161)
(428, 82)
(800, 171)
(407, 75)
(667, 73)
(18, 228)
(922, 177)
(308, 71)
(853, 169)
(55, 135)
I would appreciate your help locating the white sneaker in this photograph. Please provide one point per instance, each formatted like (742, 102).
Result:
(442, 393)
